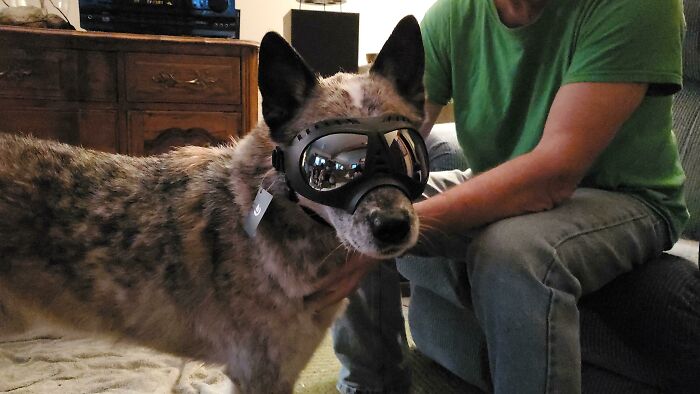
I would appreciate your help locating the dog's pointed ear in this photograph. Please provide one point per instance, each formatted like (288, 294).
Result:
(402, 61)
(285, 82)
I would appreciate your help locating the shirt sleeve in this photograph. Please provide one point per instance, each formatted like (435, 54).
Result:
(630, 41)
(436, 36)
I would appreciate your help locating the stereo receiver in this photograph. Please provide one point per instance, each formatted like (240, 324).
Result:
(207, 18)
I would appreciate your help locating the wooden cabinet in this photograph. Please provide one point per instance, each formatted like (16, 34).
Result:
(183, 79)
(154, 131)
(131, 94)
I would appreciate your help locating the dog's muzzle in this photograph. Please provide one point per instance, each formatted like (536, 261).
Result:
(337, 161)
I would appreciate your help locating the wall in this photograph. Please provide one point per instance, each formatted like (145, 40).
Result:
(377, 17)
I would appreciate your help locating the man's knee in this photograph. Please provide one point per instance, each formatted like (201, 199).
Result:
(509, 249)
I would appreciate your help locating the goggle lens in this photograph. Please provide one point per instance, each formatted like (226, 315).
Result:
(404, 152)
(334, 160)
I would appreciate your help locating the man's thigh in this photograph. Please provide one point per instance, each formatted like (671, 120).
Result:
(591, 238)
(595, 235)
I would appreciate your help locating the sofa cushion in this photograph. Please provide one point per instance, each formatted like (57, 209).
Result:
(687, 249)
(645, 325)
(444, 150)
(691, 60)
(686, 116)
(686, 124)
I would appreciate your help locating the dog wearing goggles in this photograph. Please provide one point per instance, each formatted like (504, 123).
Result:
(153, 250)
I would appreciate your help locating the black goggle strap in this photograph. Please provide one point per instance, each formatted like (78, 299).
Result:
(278, 159)
(278, 164)
(377, 155)
(313, 215)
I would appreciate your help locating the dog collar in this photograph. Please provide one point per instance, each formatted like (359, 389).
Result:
(292, 196)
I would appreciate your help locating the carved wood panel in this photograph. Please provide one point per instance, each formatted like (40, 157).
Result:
(183, 79)
(154, 132)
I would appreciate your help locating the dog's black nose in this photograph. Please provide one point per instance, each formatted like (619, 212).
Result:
(390, 226)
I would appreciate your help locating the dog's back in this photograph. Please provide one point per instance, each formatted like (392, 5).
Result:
(154, 250)
(47, 188)
(102, 241)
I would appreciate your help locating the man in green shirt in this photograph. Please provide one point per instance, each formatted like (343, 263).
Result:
(563, 110)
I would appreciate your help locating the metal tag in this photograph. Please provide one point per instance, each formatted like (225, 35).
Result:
(260, 205)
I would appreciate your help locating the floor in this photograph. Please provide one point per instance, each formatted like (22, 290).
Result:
(320, 375)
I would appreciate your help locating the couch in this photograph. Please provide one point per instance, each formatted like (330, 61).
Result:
(639, 334)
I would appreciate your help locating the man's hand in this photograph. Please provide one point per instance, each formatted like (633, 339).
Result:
(340, 283)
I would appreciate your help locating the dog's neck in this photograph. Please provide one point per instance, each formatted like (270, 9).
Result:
(294, 198)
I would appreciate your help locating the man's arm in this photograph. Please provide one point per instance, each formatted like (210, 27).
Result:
(432, 111)
(583, 119)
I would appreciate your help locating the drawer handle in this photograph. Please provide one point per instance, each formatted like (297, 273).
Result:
(15, 74)
(198, 82)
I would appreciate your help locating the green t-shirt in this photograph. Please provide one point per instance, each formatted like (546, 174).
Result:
(503, 81)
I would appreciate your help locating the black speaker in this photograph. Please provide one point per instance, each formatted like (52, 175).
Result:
(328, 41)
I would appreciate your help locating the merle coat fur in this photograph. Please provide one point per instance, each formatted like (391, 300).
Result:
(152, 249)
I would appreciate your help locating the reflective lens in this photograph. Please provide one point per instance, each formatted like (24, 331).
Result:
(334, 160)
(404, 155)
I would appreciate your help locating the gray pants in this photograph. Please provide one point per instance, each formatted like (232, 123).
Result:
(525, 275)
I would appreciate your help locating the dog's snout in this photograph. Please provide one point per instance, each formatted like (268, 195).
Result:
(390, 226)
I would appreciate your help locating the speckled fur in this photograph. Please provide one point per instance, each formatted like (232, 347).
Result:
(152, 249)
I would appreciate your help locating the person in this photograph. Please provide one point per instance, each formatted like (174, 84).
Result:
(563, 110)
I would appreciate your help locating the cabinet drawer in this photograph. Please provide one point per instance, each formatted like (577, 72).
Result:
(94, 129)
(58, 74)
(183, 79)
(38, 73)
(155, 132)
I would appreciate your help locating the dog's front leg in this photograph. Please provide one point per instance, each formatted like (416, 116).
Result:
(257, 379)
(11, 321)
(261, 387)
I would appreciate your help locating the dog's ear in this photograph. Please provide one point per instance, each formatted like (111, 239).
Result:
(402, 61)
(285, 82)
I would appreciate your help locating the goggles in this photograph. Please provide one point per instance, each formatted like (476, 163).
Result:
(336, 162)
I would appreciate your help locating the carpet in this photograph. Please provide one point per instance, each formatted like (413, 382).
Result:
(40, 363)
(320, 375)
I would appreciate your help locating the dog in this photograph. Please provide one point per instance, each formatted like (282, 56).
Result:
(152, 249)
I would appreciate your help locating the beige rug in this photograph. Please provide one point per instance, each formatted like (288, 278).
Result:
(44, 364)
(41, 364)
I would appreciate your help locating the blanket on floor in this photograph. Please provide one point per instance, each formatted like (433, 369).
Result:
(43, 363)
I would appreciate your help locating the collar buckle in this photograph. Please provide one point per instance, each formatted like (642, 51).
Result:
(278, 159)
